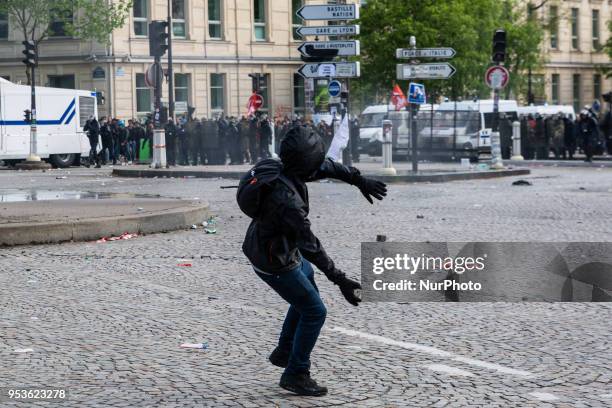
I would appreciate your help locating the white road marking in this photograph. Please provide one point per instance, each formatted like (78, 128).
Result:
(442, 368)
(433, 351)
(492, 366)
(25, 350)
(544, 396)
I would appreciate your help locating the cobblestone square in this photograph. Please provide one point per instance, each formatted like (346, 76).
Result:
(106, 320)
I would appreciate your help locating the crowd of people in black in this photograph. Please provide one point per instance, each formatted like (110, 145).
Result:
(560, 135)
(193, 141)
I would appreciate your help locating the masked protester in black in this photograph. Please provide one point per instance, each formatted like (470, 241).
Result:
(281, 247)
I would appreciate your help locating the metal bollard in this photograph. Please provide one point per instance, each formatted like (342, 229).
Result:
(387, 149)
(516, 141)
(159, 149)
(496, 155)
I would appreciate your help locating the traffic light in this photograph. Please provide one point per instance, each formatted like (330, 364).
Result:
(31, 58)
(258, 82)
(158, 38)
(319, 54)
(27, 116)
(499, 46)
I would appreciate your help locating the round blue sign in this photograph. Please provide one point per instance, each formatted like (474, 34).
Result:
(334, 88)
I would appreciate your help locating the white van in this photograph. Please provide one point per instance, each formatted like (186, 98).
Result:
(462, 129)
(61, 115)
(370, 129)
(548, 110)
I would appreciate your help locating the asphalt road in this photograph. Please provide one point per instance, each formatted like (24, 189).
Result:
(106, 320)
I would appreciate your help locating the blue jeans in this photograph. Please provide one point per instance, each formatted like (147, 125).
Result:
(305, 317)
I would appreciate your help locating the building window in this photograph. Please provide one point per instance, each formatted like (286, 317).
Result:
(574, 23)
(576, 92)
(555, 89)
(217, 92)
(179, 28)
(57, 24)
(554, 27)
(299, 95)
(596, 87)
(62, 81)
(595, 19)
(143, 95)
(181, 92)
(4, 26)
(297, 22)
(215, 29)
(259, 19)
(141, 17)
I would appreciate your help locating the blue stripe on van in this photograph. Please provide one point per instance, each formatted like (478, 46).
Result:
(70, 117)
(44, 122)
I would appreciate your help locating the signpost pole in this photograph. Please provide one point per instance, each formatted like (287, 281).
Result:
(33, 157)
(346, 153)
(170, 70)
(414, 108)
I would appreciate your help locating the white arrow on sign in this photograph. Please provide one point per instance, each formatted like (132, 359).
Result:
(344, 47)
(328, 30)
(406, 53)
(425, 71)
(329, 12)
(331, 69)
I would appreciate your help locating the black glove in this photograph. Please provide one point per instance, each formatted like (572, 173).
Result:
(371, 188)
(348, 288)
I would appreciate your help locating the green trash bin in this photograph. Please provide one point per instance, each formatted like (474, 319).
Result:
(144, 156)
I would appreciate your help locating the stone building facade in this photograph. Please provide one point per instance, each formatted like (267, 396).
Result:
(216, 45)
(573, 51)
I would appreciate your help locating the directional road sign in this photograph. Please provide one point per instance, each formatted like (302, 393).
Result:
(407, 53)
(329, 12)
(331, 69)
(328, 30)
(344, 48)
(425, 71)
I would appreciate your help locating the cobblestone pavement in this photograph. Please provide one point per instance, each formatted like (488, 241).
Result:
(106, 320)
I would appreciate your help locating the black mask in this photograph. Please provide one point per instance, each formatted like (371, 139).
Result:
(302, 152)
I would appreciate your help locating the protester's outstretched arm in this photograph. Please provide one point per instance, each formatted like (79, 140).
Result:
(368, 187)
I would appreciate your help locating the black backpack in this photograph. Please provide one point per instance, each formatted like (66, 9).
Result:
(257, 183)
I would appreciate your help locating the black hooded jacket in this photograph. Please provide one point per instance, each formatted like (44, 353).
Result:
(275, 240)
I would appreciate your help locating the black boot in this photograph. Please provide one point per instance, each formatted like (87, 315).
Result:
(302, 384)
(279, 358)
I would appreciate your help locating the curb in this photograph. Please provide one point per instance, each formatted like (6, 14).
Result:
(597, 164)
(94, 229)
(450, 176)
(150, 173)
(441, 177)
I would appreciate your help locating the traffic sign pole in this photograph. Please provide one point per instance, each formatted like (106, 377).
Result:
(414, 70)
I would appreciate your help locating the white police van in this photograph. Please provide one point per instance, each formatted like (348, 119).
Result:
(461, 129)
(61, 115)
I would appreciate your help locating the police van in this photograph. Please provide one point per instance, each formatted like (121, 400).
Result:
(61, 115)
(462, 129)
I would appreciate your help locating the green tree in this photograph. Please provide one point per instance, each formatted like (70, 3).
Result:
(465, 25)
(86, 19)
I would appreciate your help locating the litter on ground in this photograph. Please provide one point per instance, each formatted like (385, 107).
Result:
(124, 236)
